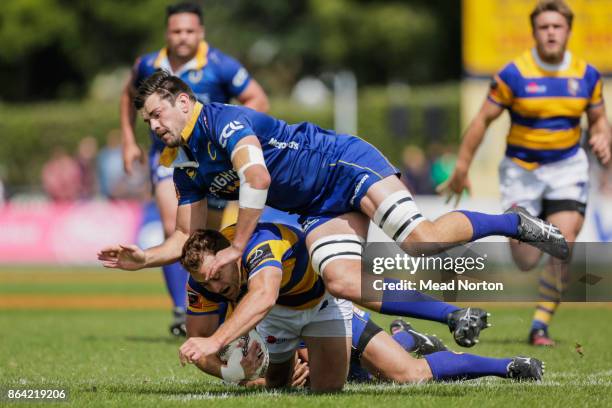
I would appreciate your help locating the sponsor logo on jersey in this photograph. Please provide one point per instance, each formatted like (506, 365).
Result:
(194, 298)
(534, 88)
(358, 187)
(240, 77)
(275, 340)
(212, 150)
(227, 181)
(259, 255)
(228, 131)
(573, 86)
(283, 145)
(195, 76)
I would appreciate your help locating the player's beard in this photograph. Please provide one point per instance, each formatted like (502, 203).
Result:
(185, 51)
(170, 139)
(552, 56)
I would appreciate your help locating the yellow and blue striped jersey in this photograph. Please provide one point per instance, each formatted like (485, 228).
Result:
(274, 245)
(545, 106)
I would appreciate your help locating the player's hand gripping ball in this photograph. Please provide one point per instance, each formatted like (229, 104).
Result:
(246, 358)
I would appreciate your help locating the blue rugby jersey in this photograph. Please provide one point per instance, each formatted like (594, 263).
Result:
(302, 160)
(545, 106)
(273, 245)
(212, 75)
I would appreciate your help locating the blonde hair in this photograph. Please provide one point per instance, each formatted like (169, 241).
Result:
(560, 6)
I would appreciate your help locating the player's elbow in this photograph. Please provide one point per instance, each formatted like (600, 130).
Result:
(262, 104)
(260, 180)
(268, 301)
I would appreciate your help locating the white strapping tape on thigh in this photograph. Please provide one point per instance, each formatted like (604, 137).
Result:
(332, 247)
(398, 216)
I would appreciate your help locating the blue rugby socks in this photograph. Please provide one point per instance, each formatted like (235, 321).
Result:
(404, 339)
(485, 225)
(412, 303)
(447, 365)
(176, 280)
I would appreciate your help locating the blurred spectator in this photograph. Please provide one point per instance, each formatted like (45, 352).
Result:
(114, 182)
(2, 188)
(1, 193)
(86, 158)
(416, 172)
(61, 176)
(443, 161)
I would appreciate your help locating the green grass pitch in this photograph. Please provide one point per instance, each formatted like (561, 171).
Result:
(103, 336)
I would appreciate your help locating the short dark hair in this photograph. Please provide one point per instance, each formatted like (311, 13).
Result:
(560, 6)
(184, 7)
(163, 84)
(200, 243)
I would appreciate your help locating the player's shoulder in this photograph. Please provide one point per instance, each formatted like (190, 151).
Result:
(148, 59)
(220, 114)
(265, 232)
(591, 73)
(218, 57)
(511, 70)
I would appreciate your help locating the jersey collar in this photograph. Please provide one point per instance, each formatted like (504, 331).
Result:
(176, 157)
(198, 62)
(567, 58)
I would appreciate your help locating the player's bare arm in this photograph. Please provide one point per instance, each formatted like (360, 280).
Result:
(472, 139)
(189, 217)
(130, 149)
(247, 160)
(260, 298)
(600, 133)
(254, 97)
(204, 326)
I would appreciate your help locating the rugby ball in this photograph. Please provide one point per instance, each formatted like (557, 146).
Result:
(234, 352)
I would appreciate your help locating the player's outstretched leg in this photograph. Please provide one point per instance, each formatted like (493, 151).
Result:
(391, 206)
(335, 251)
(413, 341)
(450, 366)
(382, 356)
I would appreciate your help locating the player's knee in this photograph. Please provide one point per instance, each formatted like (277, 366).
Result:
(525, 258)
(337, 259)
(416, 372)
(398, 216)
(337, 287)
(327, 388)
(328, 383)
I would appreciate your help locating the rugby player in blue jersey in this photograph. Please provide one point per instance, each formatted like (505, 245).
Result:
(336, 183)
(213, 77)
(545, 172)
(274, 287)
